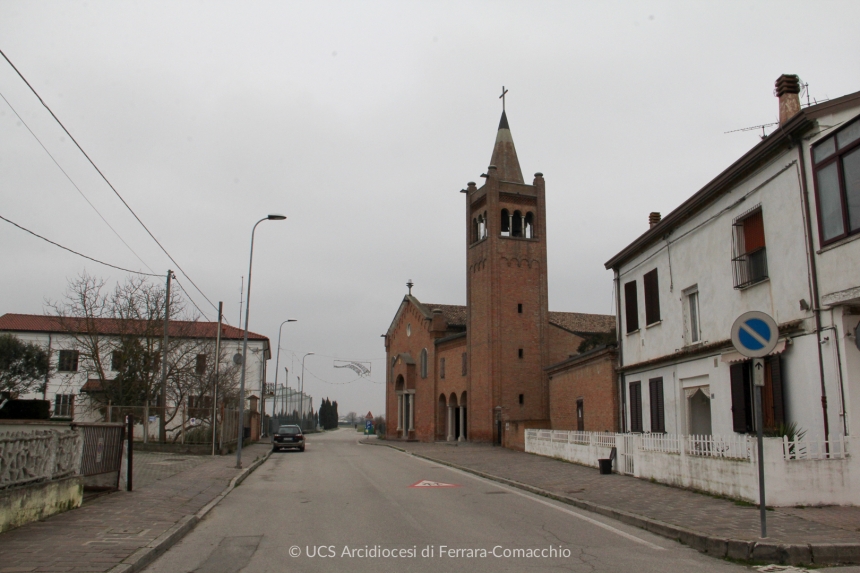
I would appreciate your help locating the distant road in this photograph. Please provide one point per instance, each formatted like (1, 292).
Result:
(342, 506)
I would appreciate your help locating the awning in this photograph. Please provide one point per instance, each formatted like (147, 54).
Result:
(734, 357)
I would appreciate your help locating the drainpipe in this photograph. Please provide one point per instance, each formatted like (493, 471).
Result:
(622, 380)
(816, 305)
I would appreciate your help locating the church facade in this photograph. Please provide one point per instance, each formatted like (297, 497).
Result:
(481, 372)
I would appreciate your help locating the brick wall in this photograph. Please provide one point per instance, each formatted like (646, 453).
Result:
(591, 378)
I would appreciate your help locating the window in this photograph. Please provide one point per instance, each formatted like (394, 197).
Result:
(116, 360)
(64, 406)
(772, 402)
(200, 366)
(836, 165)
(631, 307)
(749, 261)
(580, 420)
(441, 368)
(635, 406)
(506, 223)
(520, 308)
(520, 352)
(658, 419)
(529, 226)
(424, 363)
(464, 367)
(652, 297)
(68, 361)
(692, 309)
(522, 397)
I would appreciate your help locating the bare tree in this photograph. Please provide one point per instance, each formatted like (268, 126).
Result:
(119, 337)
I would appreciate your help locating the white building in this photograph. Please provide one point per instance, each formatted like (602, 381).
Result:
(777, 232)
(70, 380)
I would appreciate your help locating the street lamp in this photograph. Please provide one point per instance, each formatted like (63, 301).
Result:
(302, 390)
(278, 360)
(273, 217)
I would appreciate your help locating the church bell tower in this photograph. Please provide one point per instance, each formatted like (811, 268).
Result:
(506, 288)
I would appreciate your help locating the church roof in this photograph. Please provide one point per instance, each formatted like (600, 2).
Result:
(581, 322)
(505, 154)
(455, 315)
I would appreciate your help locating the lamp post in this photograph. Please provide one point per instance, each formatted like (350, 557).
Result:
(302, 390)
(278, 358)
(245, 342)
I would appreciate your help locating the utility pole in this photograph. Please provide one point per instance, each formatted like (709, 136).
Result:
(162, 402)
(217, 366)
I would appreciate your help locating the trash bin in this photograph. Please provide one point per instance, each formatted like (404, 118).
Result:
(605, 466)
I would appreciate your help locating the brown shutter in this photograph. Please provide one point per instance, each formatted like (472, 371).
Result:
(658, 420)
(635, 407)
(632, 309)
(775, 364)
(753, 232)
(739, 412)
(652, 297)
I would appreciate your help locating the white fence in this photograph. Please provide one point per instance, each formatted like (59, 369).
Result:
(796, 472)
(40, 455)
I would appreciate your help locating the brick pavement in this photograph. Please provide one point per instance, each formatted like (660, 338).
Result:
(105, 531)
(715, 517)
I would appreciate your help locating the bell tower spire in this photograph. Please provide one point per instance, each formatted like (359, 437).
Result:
(505, 154)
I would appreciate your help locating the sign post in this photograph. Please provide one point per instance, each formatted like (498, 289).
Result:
(755, 334)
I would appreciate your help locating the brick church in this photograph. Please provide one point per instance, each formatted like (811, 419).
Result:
(486, 371)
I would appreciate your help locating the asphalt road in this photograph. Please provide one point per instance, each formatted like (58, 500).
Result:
(349, 507)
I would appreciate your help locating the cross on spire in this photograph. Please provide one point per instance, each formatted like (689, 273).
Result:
(502, 97)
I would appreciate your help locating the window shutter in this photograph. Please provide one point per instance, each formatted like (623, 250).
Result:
(753, 232)
(739, 413)
(658, 421)
(652, 297)
(775, 364)
(635, 407)
(632, 309)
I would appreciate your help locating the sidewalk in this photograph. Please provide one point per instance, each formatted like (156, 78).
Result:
(721, 527)
(124, 531)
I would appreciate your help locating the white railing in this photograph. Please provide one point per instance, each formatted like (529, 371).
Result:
(663, 443)
(40, 455)
(802, 450)
(729, 447)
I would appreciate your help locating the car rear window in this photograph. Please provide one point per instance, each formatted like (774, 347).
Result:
(289, 430)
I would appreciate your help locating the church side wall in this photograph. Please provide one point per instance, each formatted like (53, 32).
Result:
(561, 344)
(593, 382)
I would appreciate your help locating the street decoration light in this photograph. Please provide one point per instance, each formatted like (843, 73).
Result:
(273, 217)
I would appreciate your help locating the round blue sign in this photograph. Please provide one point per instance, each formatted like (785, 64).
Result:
(754, 334)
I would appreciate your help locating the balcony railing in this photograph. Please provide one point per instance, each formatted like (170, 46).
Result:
(750, 268)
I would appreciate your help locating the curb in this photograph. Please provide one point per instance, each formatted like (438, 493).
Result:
(756, 551)
(146, 555)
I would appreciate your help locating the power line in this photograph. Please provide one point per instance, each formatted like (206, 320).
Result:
(77, 253)
(36, 137)
(127, 206)
(191, 299)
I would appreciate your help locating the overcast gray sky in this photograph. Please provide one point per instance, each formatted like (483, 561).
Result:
(361, 121)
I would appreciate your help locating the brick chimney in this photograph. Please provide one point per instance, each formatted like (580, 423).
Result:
(653, 219)
(438, 324)
(788, 90)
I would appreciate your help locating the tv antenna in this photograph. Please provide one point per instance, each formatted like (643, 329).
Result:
(762, 127)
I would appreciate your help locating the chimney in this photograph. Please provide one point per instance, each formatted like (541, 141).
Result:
(438, 324)
(788, 90)
(653, 219)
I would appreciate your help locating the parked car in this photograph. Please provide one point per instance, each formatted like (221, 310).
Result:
(289, 437)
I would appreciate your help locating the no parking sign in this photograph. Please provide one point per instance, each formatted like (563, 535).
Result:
(755, 334)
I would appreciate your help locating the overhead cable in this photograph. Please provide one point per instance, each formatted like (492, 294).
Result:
(127, 206)
(36, 137)
(77, 253)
